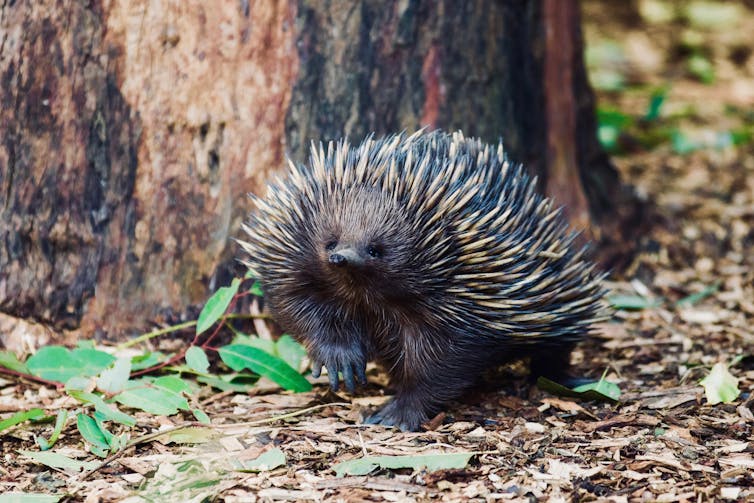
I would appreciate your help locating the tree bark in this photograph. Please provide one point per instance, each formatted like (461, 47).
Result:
(130, 130)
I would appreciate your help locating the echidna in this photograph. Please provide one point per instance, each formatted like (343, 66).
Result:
(429, 253)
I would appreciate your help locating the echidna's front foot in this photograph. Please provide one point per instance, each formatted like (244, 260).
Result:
(351, 362)
(397, 413)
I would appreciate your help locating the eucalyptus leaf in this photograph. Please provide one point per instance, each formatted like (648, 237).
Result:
(256, 289)
(173, 384)
(20, 417)
(290, 351)
(107, 410)
(197, 359)
(141, 362)
(216, 306)
(602, 391)
(720, 386)
(267, 461)
(154, 400)
(60, 421)
(10, 361)
(239, 357)
(57, 460)
(189, 435)
(92, 433)
(632, 302)
(655, 104)
(57, 363)
(698, 296)
(201, 416)
(15, 497)
(114, 379)
(237, 382)
(430, 462)
(266, 345)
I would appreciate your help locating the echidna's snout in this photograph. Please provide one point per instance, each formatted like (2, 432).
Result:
(345, 257)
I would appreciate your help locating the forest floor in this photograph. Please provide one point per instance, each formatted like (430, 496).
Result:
(675, 96)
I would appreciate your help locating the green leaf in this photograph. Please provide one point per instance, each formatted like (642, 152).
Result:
(239, 383)
(60, 420)
(57, 460)
(256, 289)
(79, 383)
(114, 379)
(266, 345)
(239, 357)
(719, 16)
(612, 117)
(153, 399)
(701, 68)
(108, 410)
(189, 435)
(610, 125)
(57, 363)
(92, 433)
(216, 306)
(632, 302)
(29, 498)
(20, 417)
(430, 462)
(720, 385)
(196, 358)
(655, 104)
(290, 351)
(265, 462)
(110, 438)
(147, 360)
(682, 144)
(696, 297)
(10, 361)
(742, 136)
(601, 391)
(116, 442)
(93, 361)
(201, 416)
(173, 384)
(608, 136)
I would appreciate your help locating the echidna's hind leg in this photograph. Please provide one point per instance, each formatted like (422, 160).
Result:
(553, 361)
(427, 377)
(416, 401)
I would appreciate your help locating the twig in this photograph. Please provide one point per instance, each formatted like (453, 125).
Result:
(30, 377)
(284, 416)
(155, 333)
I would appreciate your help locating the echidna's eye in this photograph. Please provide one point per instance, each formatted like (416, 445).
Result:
(330, 246)
(374, 251)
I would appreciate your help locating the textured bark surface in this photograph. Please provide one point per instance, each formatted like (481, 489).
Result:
(131, 130)
(389, 66)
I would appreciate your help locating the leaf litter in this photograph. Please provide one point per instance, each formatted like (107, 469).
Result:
(680, 349)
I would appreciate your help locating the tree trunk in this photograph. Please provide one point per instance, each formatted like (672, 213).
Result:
(130, 131)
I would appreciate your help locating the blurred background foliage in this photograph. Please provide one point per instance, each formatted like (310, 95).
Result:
(676, 75)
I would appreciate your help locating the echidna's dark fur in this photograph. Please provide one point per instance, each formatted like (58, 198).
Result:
(429, 253)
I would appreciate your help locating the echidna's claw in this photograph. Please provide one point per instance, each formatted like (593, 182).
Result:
(316, 369)
(332, 373)
(348, 378)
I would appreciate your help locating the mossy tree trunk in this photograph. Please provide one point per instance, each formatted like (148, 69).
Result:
(130, 130)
